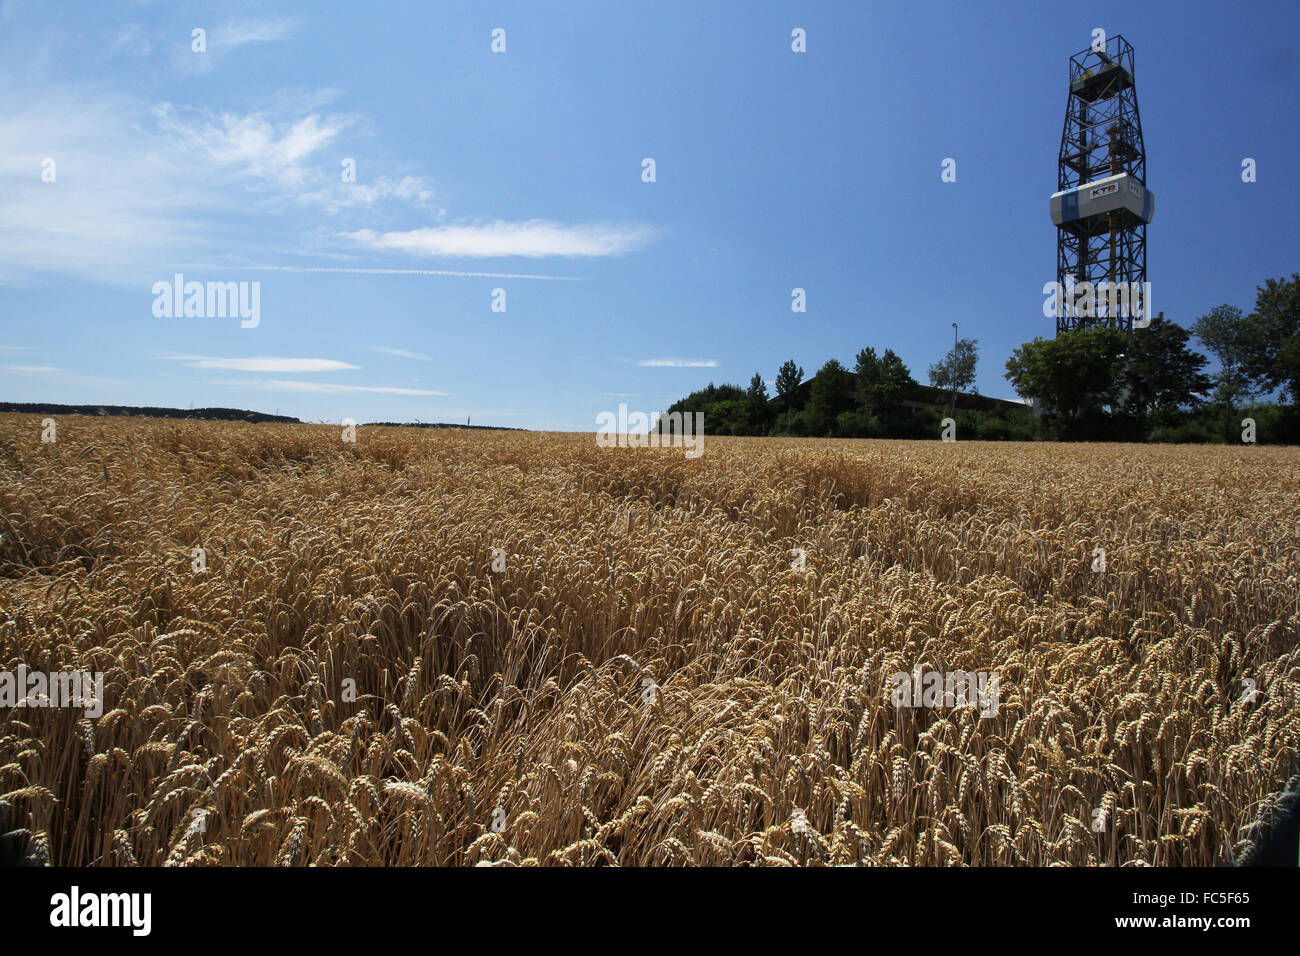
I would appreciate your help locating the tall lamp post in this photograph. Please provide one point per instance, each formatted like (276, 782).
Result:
(952, 407)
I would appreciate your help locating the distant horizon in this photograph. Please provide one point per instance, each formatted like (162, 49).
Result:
(653, 414)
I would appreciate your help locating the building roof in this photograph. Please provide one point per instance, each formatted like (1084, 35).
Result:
(932, 396)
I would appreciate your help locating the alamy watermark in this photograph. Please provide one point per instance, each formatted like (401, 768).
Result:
(129, 910)
(953, 689)
(655, 430)
(213, 300)
(58, 689)
(1099, 300)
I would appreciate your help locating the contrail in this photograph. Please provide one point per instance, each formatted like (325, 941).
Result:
(414, 272)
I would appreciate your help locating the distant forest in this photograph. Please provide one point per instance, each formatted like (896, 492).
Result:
(486, 428)
(204, 414)
(145, 411)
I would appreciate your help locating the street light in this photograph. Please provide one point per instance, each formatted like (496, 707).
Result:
(952, 408)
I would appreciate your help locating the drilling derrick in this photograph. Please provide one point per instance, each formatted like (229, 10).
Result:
(1102, 206)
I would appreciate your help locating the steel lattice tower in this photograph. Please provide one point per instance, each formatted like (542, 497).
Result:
(1102, 206)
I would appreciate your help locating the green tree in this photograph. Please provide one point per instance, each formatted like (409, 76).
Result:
(879, 381)
(1159, 372)
(866, 372)
(866, 380)
(725, 408)
(1226, 333)
(1070, 374)
(830, 395)
(1273, 337)
(756, 396)
(956, 371)
(728, 417)
(895, 378)
(788, 378)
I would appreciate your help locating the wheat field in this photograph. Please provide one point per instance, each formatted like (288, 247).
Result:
(664, 661)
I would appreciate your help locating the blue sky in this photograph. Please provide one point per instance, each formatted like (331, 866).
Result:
(522, 171)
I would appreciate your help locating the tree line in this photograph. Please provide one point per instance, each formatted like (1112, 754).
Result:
(1104, 385)
(1099, 384)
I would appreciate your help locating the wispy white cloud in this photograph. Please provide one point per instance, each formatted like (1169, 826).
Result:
(139, 189)
(286, 385)
(145, 189)
(336, 195)
(130, 39)
(225, 38)
(233, 34)
(400, 353)
(119, 198)
(678, 363)
(250, 143)
(262, 364)
(415, 272)
(535, 238)
(30, 368)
